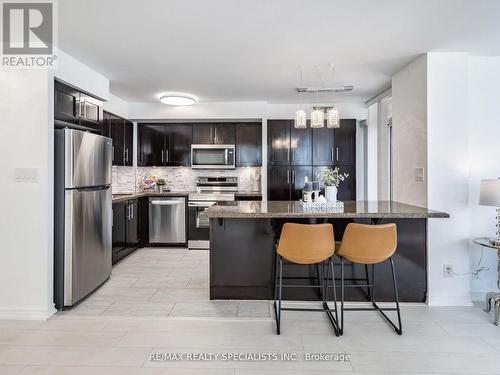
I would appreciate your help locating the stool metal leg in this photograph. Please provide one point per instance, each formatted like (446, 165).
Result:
(400, 329)
(368, 291)
(334, 321)
(277, 292)
(341, 323)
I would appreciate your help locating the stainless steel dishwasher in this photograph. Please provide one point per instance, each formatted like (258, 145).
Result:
(167, 220)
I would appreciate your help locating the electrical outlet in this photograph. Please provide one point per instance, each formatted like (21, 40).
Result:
(448, 270)
(25, 175)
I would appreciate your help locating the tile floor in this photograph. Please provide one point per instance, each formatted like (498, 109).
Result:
(115, 333)
(158, 282)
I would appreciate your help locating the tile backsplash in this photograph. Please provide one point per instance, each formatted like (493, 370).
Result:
(127, 179)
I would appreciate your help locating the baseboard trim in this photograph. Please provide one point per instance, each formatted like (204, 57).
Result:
(26, 314)
(449, 301)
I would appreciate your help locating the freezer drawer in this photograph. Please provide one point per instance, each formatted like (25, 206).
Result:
(87, 157)
(167, 220)
(87, 247)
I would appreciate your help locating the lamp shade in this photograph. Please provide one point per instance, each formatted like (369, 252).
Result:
(489, 193)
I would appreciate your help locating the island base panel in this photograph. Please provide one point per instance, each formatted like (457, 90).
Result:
(242, 262)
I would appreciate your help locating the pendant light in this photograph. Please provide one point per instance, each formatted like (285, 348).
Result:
(317, 118)
(300, 117)
(332, 118)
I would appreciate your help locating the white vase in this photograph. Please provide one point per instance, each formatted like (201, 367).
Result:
(331, 193)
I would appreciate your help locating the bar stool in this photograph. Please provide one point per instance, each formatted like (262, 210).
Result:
(306, 244)
(369, 245)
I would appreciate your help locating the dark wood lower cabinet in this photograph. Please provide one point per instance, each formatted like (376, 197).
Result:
(126, 229)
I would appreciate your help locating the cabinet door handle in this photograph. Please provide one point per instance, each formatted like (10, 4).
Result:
(167, 156)
(288, 176)
(337, 152)
(288, 154)
(162, 153)
(127, 212)
(216, 137)
(132, 211)
(293, 176)
(331, 154)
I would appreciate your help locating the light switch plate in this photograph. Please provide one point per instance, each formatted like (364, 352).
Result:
(25, 174)
(419, 174)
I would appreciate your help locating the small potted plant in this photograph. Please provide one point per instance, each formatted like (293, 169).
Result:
(161, 184)
(332, 179)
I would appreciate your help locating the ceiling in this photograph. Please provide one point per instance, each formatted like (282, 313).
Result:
(251, 50)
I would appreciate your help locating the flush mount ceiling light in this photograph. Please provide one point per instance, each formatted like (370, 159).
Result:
(174, 99)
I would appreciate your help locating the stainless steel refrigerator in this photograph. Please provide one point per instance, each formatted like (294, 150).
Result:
(83, 214)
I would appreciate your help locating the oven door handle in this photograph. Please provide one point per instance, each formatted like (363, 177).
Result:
(200, 204)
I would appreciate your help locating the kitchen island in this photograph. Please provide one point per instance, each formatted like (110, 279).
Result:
(243, 236)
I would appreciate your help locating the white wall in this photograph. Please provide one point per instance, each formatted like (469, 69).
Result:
(73, 72)
(484, 161)
(448, 180)
(409, 132)
(26, 141)
(117, 106)
(25, 224)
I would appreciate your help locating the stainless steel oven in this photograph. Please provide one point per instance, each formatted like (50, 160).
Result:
(209, 191)
(212, 156)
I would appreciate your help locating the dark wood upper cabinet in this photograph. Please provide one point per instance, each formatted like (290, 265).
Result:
(178, 144)
(224, 134)
(323, 141)
(151, 145)
(117, 134)
(278, 142)
(129, 142)
(208, 133)
(164, 144)
(203, 133)
(300, 146)
(248, 144)
(66, 103)
(121, 131)
(345, 142)
(75, 107)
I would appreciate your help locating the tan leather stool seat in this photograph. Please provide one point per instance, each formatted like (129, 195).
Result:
(368, 244)
(306, 243)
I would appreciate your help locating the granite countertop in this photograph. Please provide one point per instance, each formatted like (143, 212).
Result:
(293, 209)
(120, 197)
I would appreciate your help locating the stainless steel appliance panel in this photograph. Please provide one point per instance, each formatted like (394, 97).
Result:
(88, 159)
(213, 156)
(167, 220)
(88, 228)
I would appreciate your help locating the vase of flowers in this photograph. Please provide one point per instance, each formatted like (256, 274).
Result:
(161, 183)
(332, 178)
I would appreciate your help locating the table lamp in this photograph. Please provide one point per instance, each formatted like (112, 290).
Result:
(489, 195)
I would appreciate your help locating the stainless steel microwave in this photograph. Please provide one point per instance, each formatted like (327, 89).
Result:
(213, 156)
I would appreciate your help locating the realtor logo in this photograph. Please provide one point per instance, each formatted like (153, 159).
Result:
(28, 31)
